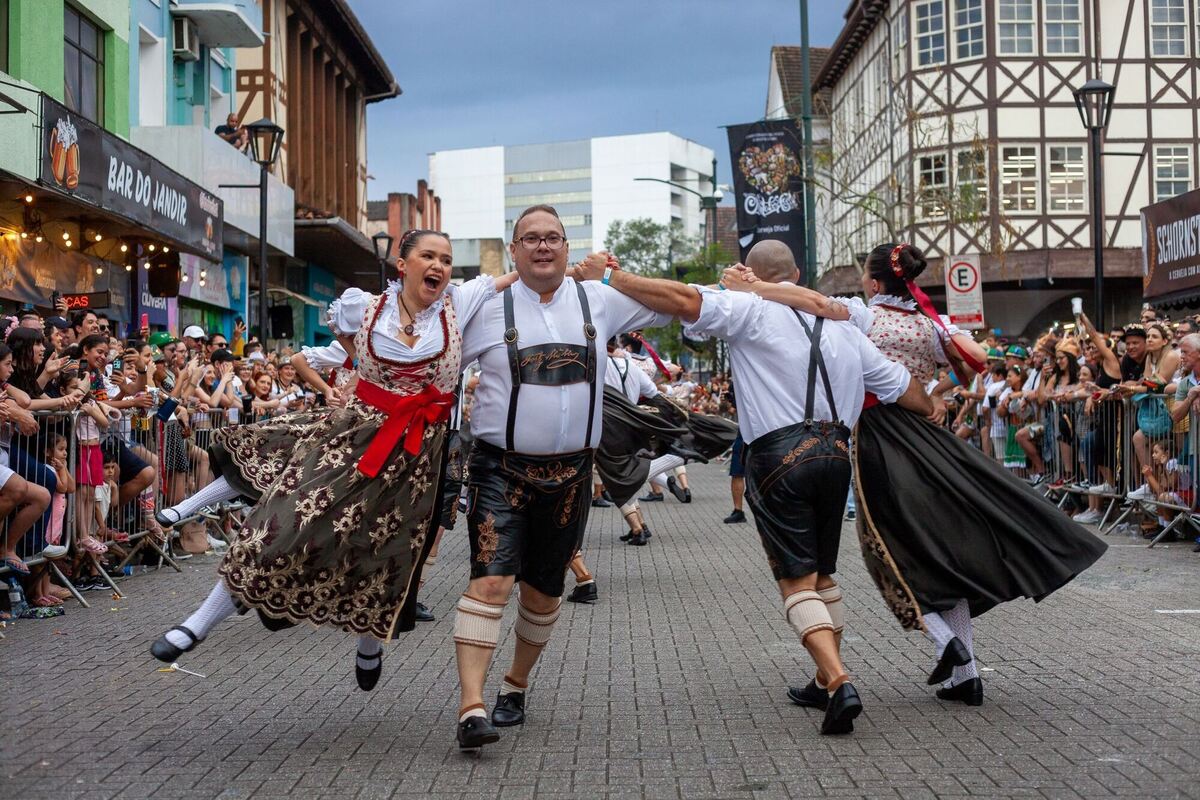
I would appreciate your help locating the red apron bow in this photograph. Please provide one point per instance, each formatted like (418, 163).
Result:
(407, 416)
(927, 306)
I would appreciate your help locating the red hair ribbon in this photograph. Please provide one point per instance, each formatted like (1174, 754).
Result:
(658, 362)
(926, 306)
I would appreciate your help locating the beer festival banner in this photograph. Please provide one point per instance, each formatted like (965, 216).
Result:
(768, 184)
(85, 161)
(1171, 247)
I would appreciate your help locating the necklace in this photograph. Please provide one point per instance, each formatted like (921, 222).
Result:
(408, 329)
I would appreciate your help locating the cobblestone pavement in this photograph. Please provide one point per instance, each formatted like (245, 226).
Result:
(671, 687)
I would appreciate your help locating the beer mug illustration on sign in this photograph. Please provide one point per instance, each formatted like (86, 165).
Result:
(64, 153)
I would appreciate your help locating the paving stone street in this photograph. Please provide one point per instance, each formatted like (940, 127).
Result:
(672, 686)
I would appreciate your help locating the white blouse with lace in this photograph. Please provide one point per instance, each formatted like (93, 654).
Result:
(862, 316)
(346, 314)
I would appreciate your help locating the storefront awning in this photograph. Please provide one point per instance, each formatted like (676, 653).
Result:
(338, 246)
(222, 24)
(1171, 249)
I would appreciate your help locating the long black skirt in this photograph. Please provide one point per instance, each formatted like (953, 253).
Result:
(707, 436)
(940, 522)
(630, 430)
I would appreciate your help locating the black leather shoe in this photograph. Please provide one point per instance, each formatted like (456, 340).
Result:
(163, 650)
(608, 497)
(843, 707)
(584, 593)
(651, 497)
(423, 613)
(509, 710)
(168, 520)
(969, 692)
(646, 534)
(687, 495)
(737, 516)
(367, 678)
(811, 696)
(600, 502)
(677, 490)
(955, 655)
(638, 540)
(476, 732)
(626, 537)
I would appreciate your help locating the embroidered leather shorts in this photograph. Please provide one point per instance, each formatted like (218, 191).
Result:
(796, 482)
(527, 514)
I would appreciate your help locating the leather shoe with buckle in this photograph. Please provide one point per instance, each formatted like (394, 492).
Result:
(475, 732)
(584, 593)
(368, 677)
(600, 502)
(163, 650)
(423, 614)
(509, 710)
(844, 706)
(638, 539)
(955, 655)
(969, 692)
(811, 696)
(651, 497)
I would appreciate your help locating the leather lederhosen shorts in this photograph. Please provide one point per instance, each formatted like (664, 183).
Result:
(796, 482)
(527, 514)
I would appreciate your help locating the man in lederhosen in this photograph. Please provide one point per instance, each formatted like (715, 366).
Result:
(536, 420)
(797, 433)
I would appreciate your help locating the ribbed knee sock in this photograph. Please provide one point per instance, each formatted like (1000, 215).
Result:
(938, 631)
(216, 492)
(959, 620)
(216, 607)
(368, 646)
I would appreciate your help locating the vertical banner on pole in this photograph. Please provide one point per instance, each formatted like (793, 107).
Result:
(964, 291)
(768, 184)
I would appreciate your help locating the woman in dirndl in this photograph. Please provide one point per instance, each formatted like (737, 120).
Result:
(346, 498)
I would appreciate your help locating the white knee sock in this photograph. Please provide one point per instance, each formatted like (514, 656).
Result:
(368, 646)
(216, 607)
(938, 631)
(216, 492)
(959, 620)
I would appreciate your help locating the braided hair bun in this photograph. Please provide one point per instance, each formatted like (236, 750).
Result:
(908, 263)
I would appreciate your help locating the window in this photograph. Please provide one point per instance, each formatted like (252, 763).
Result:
(1019, 178)
(968, 28)
(1168, 28)
(1016, 27)
(1066, 184)
(1063, 27)
(548, 175)
(972, 182)
(84, 66)
(523, 200)
(1172, 172)
(900, 44)
(931, 32)
(932, 182)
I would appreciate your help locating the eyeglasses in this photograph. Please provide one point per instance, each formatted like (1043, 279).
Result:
(531, 241)
(220, 344)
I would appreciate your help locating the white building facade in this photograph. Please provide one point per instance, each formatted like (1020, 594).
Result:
(953, 126)
(591, 182)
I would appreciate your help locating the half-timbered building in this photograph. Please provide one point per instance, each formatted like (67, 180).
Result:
(952, 125)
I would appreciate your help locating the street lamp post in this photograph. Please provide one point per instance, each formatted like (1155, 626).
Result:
(383, 251)
(265, 140)
(1094, 100)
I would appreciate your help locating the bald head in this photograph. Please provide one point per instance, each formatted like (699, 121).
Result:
(772, 260)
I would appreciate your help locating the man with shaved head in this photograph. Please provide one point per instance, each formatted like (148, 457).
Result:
(797, 433)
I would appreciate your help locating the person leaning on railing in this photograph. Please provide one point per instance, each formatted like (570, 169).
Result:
(1106, 419)
(1153, 418)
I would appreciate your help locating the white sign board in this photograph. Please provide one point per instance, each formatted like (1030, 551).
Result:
(964, 292)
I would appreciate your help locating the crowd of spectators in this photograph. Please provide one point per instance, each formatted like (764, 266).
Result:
(96, 429)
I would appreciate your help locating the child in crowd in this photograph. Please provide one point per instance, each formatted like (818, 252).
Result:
(997, 394)
(90, 472)
(1010, 409)
(1168, 480)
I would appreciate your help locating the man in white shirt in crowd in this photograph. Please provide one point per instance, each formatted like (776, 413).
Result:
(536, 419)
(797, 438)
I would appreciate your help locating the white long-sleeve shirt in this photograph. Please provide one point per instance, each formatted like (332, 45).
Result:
(550, 419)
(622, 374)
(769, 352)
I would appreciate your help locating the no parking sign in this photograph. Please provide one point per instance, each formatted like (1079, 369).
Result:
(964, 292)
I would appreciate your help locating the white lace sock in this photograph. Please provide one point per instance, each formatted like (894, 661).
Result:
(216, 492)
(368, 646)
(938, 631)
(959, 620)
(659, 468)
(216, 607)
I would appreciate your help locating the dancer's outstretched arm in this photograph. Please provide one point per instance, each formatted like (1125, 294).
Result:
(662, 296)
(739, 278)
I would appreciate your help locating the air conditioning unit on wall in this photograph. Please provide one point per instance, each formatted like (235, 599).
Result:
(186, 39)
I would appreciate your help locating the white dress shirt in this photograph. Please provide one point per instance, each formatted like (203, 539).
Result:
(623, 375)
(550, 419)
(769, 353)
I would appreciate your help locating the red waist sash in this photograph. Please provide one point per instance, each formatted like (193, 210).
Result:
(869, 401)
(407, 416)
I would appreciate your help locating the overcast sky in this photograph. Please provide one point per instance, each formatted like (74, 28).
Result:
(491, 72)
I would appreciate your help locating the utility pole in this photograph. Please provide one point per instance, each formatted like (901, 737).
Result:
(810, 223)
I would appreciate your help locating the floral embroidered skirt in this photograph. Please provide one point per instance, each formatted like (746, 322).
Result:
(940, 522)
(326, 544)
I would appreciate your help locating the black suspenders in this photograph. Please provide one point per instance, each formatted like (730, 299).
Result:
(514, 364)
(816, 363)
